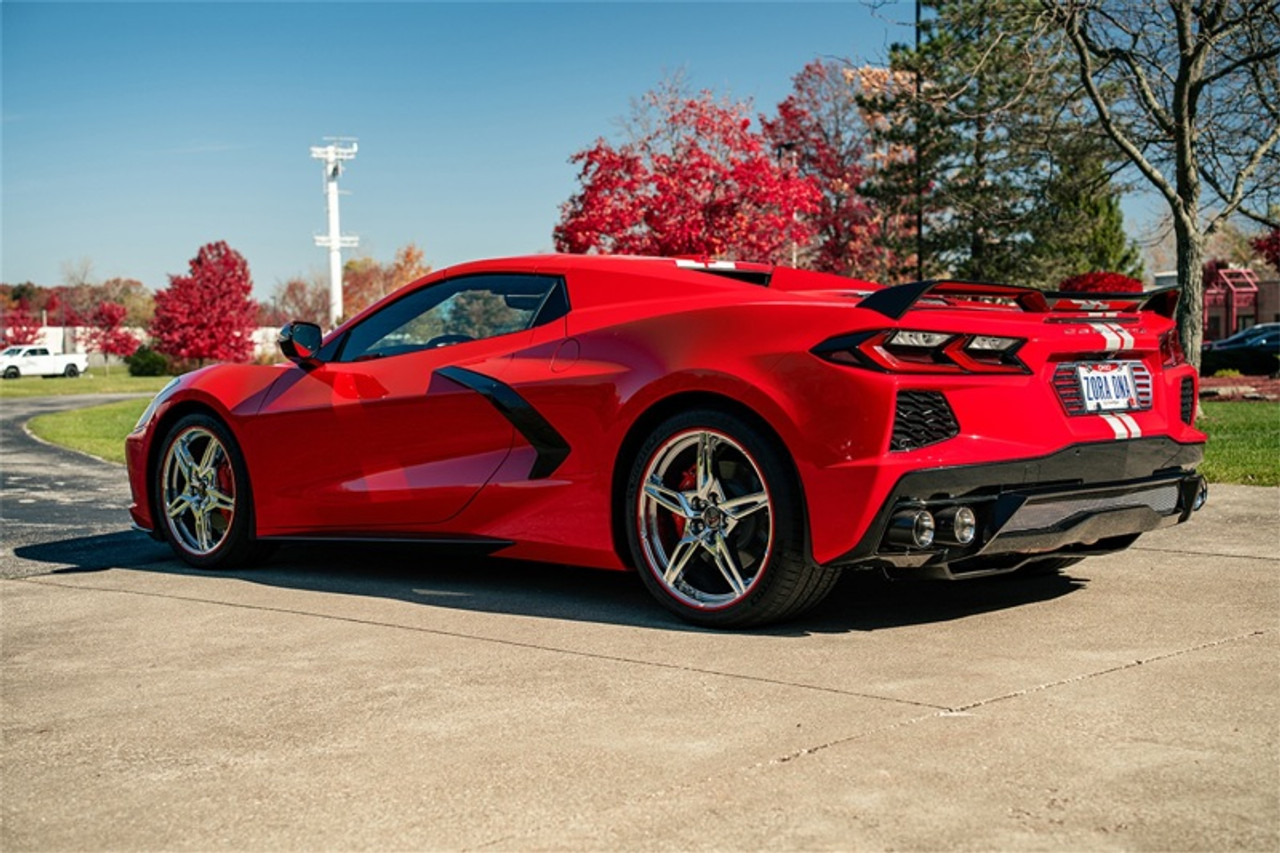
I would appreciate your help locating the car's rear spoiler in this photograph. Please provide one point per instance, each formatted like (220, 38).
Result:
(893, 302)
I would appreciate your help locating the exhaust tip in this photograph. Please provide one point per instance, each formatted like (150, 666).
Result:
(957, 525)
(1202, 494)
(913, 528)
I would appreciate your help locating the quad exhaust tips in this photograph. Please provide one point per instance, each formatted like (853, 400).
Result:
(919, 528)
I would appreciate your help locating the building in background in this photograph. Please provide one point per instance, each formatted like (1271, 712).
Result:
(1235, 299)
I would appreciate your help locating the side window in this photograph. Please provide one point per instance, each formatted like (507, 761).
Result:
(40, 351)
(450, 312)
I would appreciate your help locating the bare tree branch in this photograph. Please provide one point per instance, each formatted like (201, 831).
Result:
(1070, 20)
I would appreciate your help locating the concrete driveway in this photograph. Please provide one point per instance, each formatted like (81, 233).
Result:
(383, 698)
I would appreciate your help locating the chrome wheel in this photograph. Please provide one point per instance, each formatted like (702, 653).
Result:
(705, 519)
(198, 490)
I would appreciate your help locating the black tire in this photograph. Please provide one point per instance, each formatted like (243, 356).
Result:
(71, 372)
(11, 373)
(737, 558)
(227, 539)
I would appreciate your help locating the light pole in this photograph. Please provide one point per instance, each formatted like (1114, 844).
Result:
(919, 167)
(788, 150)
(333, 154)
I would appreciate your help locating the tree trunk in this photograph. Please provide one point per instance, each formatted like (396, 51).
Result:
(1190, 248)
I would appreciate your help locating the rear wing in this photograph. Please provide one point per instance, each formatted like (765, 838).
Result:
(893, 302)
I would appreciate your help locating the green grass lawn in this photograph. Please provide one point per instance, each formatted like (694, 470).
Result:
(99, 430)
(1244, 443)
(1244, 438)
(94, 382)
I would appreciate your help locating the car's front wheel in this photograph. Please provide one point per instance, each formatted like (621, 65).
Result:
(11, 373)
(716, 523)
(202, 494)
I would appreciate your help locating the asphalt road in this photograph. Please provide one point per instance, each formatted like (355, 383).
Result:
(357, 698)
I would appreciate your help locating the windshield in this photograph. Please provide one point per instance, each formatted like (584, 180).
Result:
(12, 351)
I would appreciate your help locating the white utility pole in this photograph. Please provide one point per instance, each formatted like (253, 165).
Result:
(333, 154)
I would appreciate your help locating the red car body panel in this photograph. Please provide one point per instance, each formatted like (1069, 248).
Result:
(393, 447)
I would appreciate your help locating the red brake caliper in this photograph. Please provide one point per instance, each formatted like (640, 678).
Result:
(225, 482)
(687, 483)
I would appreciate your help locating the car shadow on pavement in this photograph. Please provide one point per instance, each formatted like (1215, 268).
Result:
(862, 601)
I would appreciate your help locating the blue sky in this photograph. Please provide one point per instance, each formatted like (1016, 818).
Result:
(134, 133)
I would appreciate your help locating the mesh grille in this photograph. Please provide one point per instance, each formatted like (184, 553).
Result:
(1163, 499)
(921, 418)
(1068, 385)
(1188, 399)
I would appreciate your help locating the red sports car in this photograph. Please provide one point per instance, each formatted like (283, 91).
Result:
(736, 433)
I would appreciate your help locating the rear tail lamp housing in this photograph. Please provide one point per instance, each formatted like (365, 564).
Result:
(1171, 353)
(917, 351)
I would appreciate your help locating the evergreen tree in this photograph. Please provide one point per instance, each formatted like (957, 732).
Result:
(1010, 179)
(1080, 214)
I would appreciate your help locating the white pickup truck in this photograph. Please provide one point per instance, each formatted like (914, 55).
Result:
(38, 361)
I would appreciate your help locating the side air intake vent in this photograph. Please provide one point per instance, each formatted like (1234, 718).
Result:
(921, 418)
(1188, 399)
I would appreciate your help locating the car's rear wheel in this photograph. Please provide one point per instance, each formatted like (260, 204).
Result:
(71, 372)
(716, 523)
(202, 495)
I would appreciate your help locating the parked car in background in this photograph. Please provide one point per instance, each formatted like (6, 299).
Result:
(1267, 343)
(1253, 338)
(18, 361)
(1257, 354)
(738, 434)
(1241, 337)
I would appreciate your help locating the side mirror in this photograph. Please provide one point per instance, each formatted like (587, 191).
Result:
(300, 342)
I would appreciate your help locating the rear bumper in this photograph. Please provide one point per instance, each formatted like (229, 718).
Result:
(1087, 499)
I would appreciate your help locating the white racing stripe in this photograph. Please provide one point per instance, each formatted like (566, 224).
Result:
(1117, 426)
(1123, 425)
(1135, 431)
(690, 263)
(1110, 336)
(1126, 339)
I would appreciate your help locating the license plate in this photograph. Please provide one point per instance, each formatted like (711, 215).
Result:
(1107, 387)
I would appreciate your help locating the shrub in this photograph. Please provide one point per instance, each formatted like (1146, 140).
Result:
(1100, 282)
(147, 362)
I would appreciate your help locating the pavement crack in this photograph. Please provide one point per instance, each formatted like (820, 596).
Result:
(758, 679)
(961, 710)
(1214, 554)
(1075, 679)
(668, 791)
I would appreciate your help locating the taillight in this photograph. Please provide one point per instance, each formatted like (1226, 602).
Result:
(1171, 353)
(913, 351)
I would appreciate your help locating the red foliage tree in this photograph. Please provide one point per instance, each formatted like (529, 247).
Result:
(1268, 245)
(1210, 271)
(1100, 282)
(209, 313)
(695, 180)
(21, 326)
(107, 334)
(365, 281)
(297, 299)
(821, 131)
